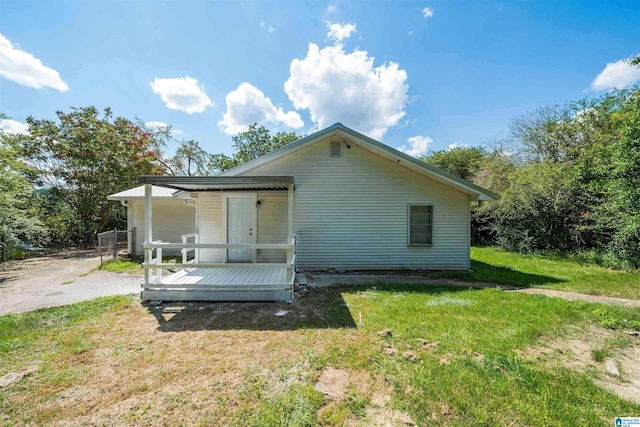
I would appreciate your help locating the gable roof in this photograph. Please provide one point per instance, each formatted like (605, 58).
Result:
(138, 193)
(339, 130)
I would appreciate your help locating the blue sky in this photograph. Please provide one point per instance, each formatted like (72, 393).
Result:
(419, 75)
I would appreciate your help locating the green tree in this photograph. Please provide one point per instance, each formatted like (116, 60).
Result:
(609, 169)
(83, 157)
(190, 159)
(537, 210)
(463, 162)
(19, 222)
(550, 133)
(249, 145)
(574, 181)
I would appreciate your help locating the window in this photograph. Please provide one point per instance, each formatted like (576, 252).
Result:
(335, 149)
(420, 224)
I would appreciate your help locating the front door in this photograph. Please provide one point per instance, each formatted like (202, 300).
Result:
(240, 227)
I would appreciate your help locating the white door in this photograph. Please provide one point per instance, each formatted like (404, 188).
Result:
(240, 227)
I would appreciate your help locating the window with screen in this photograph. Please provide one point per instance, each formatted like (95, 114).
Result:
(420, 224)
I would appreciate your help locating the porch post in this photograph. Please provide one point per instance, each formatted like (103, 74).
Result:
(290, 270)
(290, 205)
(148, 232)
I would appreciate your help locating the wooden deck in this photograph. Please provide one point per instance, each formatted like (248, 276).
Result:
(222, 284)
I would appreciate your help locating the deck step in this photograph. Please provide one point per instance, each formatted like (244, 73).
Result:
(219, 287)
(217, 294)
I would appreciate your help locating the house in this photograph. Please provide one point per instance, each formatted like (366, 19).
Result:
(174, 216)
(336, 199)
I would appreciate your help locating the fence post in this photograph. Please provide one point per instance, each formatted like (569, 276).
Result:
(100, 247)
(115, 243)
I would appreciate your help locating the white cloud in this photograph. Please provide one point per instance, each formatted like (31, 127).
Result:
(269, 27)
(13, 127)
(427, 12)
(340, 32)
(161, 127)
(418, 146)
(335, 86)
(616, 75)
(410, 33)
(247, 105)
(457, 144)
(182, 93)
(26, 69)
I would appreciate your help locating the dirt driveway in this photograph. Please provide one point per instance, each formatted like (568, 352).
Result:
(59, 279)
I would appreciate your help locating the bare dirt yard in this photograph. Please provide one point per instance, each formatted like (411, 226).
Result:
(59, 279)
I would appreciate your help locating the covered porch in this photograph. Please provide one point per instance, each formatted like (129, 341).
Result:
(228, 265)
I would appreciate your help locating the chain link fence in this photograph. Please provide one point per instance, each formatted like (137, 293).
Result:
(114, 242)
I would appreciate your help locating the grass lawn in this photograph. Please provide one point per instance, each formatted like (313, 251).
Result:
(119, 265)
(451, 357)
(497, 266)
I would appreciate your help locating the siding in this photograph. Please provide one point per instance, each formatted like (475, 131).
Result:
(210, 226)
(171, 219)
(272, 224)
(351, 211)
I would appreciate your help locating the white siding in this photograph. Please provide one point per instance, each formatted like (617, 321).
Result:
(351, 211)
(272, 224)
(210, 225)
(171, 219)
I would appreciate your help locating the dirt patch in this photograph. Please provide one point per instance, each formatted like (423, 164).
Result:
(13, 377)
(339, 384)
(333, 382)
(577, 351)
(386, 417)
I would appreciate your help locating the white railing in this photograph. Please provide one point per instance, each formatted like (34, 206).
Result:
(156, 272)
(155, 264)
(291, 260)
(185, 251)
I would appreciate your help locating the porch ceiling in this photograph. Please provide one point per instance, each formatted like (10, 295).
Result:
(218, 183)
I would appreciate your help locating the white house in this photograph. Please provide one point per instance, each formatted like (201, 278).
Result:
(333, 200)
(174, 216)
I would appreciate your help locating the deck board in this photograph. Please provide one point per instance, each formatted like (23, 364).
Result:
(236, 283)
(231, 276)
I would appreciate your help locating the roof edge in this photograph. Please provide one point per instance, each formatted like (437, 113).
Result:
(379, 146)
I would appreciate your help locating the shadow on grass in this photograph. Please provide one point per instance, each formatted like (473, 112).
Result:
(498, 274)
(314, 308)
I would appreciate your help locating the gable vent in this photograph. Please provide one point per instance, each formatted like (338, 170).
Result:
(336, 149)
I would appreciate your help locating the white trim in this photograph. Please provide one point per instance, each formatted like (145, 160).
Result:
(290, 199)
(148, 232)
(254, 220)
(130, 231)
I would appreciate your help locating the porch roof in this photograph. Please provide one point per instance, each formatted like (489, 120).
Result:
(219, 183)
